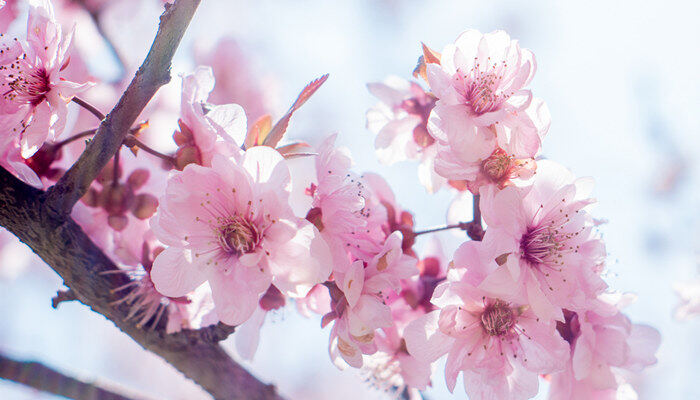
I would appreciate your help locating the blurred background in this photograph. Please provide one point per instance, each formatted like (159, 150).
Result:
(621, 82)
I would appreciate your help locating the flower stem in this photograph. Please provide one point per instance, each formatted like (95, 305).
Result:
(473, 228)
(82, 103)
(131, 141)
(460, 225)
(75, 137)
(115, 170)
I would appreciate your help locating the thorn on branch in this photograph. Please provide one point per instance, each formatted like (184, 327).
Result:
(61, 296)
(208, 334)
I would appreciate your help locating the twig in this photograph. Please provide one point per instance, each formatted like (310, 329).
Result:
(460, 225)
(93, 110)
(75, 137)
(41, 377)
(153, 73)
(474, 229)
(131, 141)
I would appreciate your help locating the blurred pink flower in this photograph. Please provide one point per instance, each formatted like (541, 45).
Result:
(34, 101)
(237, 80)
(689, 294)
(400, 122)
(231, 225)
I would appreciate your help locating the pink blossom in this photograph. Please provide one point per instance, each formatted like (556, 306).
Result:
(358, 304)
(317, 301)
(543, 240)
(391, 368)
(400, 123)
(206, 130)
(345, 209)
(499, 346)
(231, 225)
(480, 83)
(33, 106)
(603, 342)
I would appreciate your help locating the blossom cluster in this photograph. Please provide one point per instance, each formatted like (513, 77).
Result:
(215, 227)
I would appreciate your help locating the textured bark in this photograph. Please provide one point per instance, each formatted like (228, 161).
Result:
(41, 377)
(63, 245)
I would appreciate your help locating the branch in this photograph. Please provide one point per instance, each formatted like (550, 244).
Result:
(41, 377)
(63, 245)
(475, 229)
(153, 73)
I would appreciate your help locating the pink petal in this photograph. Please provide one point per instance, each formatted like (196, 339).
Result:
(174, 274)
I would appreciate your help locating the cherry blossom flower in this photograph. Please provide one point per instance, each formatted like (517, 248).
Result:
(34, 103)
(603, 342)
(392, 368)
(483, 104)
(231, 225)
(543, 239)
(345, 210)
(206, 130)
(357, 300)
(400, 123)
(499, 346)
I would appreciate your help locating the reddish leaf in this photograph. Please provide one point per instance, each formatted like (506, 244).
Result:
(258, 131)
(429, 56)
(280, 127)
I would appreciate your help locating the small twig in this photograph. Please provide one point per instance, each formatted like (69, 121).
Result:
(474, 229)
(461, 225)
(131, 141)
(93, 110)
(61, 296)
(75, 137)
(41, 377)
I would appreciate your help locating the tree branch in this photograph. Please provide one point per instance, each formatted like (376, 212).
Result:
(41, 377)
(153, 73)
(63, 245)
